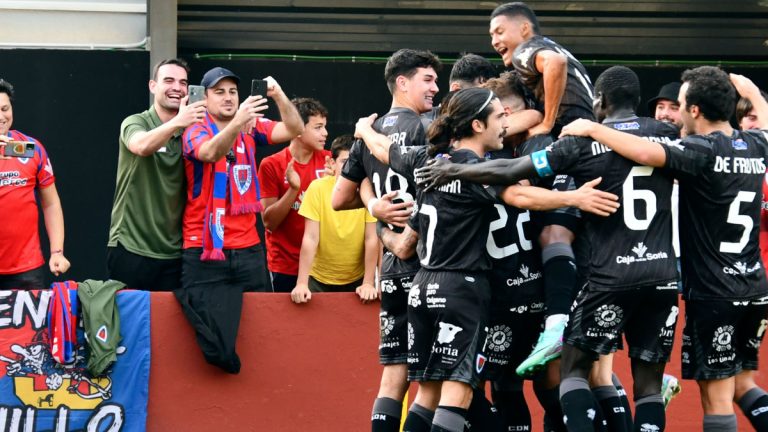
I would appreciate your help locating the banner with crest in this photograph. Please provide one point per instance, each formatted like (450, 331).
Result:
(38, 394)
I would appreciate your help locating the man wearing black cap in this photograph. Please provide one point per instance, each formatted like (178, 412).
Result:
(664, 107)
(222, 256)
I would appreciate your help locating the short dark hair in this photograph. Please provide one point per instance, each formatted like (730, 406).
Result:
(620, 87)
(405, 62)
(744, 106)
(456, 117)
(508, 85)
(7, 88)
(308, 107)
(341, 143)
(172, 61)
(711, 90)
(518, 9)
(470, 67)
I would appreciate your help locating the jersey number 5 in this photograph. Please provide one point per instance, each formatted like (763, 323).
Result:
(735, 218)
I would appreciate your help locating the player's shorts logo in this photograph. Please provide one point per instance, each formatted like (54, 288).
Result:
(499, 338)
(608, 315)
(413, 296)
(386, 324)
(647, 427)
(410, 336)
(672, 317)
(723, 338)
(388, 286)
(447, 332)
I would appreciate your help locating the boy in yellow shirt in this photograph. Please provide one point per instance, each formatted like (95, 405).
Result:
(340, 250)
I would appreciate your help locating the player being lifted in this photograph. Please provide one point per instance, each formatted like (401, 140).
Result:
(561, 85)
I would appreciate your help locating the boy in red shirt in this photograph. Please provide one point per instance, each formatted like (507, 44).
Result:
(284, 177)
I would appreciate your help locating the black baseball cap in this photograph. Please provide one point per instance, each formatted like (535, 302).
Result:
(668, 91)
(213, 76)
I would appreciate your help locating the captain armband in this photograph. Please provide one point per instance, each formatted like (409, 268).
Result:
(541, 163)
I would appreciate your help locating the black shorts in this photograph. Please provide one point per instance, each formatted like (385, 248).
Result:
(513, 329)
(646, 316)
(721, 338)
(143, 273)
(393, 319)
(447, 317)
(568, 217)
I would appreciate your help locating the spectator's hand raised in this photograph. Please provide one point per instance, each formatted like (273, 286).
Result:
(301, 294)
(367, 293)
(3, 140)
(273, 88)
(250, 110)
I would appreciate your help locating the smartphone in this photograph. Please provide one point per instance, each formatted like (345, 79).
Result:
(259, 87)
(19, 149)
(196, 94)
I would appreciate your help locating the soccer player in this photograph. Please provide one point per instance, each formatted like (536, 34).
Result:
(20, 180)
(284, 178)
(561, 84)
(720, 171)
(411, 77)
(631, 286)
(445, 334)
(144, 248)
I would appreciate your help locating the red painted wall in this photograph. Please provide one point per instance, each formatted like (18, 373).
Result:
(305, 368)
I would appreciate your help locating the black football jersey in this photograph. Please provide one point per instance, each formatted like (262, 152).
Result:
(631, 248)
(513, 247)
(720, 181)
(404, 128)
(452, 220)
(579, 93)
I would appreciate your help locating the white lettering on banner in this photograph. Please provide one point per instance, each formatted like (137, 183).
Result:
(23, 305)
(12, 418)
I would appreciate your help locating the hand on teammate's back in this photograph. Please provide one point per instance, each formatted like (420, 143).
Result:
(596, 201)
(396, 214)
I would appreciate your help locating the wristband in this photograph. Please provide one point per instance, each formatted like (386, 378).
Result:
(57, 251)
(372, 202)
(541, 163)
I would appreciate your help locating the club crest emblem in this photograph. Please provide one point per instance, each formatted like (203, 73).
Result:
(243, 177)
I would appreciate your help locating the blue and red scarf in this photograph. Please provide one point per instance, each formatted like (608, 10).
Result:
(62, 321)
(235, 186)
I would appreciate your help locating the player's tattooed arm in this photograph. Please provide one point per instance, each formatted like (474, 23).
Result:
(630, 146)
(554, 70)
(439, 171)
(748, 90)
(586, 198)
(403, 245)
(377, 143)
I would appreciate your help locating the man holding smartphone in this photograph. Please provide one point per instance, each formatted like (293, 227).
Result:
(222, 254)
(20, 179)
(144, 248)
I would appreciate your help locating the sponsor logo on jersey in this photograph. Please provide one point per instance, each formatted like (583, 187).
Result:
(389, 121)
(741, 268)
(11, 178)
(413, 296)
(527, 277)
(641, 255)
(739, 144)
(434, 302)
(627, 126)
(388, 286)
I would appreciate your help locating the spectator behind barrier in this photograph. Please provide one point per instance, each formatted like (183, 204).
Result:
(27, 174)
(144, 247)
(284, 178)
(340, 249)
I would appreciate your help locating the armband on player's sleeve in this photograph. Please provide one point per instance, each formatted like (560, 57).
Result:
(541, 163)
